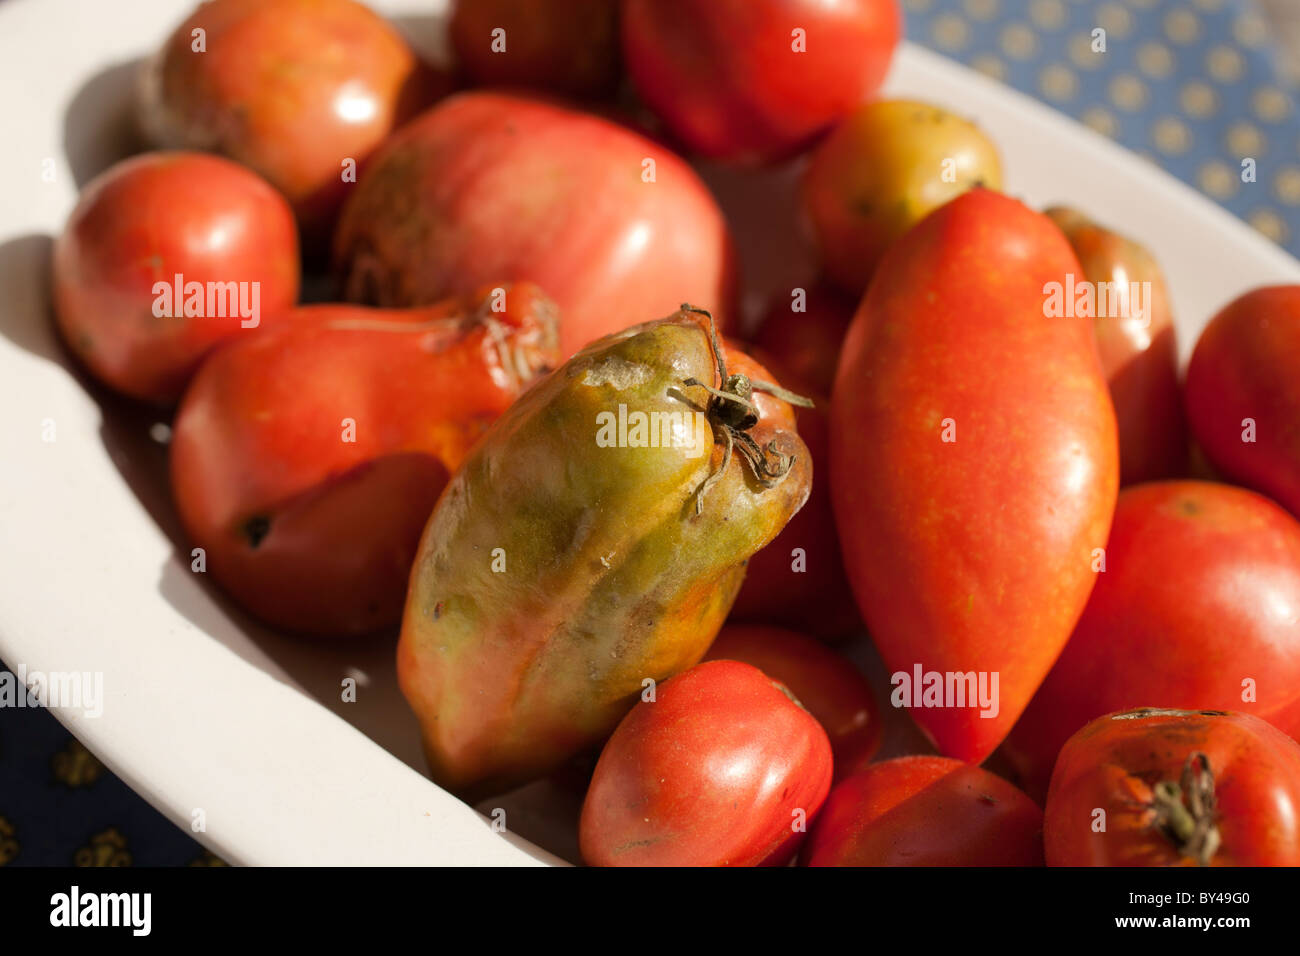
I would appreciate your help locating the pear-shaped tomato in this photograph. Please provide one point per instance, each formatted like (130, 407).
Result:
(305, 460)
(594, 540)
(973, 465)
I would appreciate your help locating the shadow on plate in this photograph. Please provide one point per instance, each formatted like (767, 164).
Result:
(99, 127)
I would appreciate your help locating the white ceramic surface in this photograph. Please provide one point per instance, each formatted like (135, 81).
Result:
(205, 710)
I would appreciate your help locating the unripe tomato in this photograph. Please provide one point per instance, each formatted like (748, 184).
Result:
(722, 768)
(882, 170)
(227, 235)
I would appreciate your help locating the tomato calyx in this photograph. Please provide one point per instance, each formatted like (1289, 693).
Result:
(1185, 810)
(732, 413)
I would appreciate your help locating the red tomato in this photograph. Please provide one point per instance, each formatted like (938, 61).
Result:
(756, 79)
(824, 682)
(487, 185)
(807, 343)
(1197, 607)
(569, 46)
(1243, 392)
(722, 769)
(926, 811)
(973, 464)
(1138, 351)
(1175, 787)
(292, 88)
(135, 229)
(306, 460)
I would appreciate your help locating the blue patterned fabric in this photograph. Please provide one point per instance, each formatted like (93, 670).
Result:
(1191, 84)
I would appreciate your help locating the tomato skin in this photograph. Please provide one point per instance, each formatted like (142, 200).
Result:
(824, 682)
(491, 185)
(806, 345)
(311, 528)
(1192, 602)
(724, 77)
(926, 811)
(146, 220)
(972, 554)
(289, 88)
(711, 773)
(1139, 356)
(880, 171)
(1114, 763)
(569, 46)
(1244, 367)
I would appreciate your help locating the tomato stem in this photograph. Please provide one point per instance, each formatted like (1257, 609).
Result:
(1185, 810)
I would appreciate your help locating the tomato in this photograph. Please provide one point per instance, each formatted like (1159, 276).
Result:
(294, 89)
(755, 80)
(1135, 338)
(722, 768)
(882, 170)
(1243, 392)
(489, 185)
(798, 580)
(973, 465)
(926, 811)
(135, 230)
(824, 682)
(1196, 608)
(589, 542)
(569, 46)
(306, 460)
(1156, 787)
(806, 332)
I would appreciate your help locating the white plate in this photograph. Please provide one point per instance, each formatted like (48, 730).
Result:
(204, 710)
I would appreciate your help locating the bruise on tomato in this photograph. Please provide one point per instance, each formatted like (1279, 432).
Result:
(569, 561)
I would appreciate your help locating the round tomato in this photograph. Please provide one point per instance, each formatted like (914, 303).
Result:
(824, 682)
(1196, 607)
(1243, 392)
(1135, 339)
(300, 90)
(1175, 787)
(926, 811)
(570, 46)
(722, 768)
(616, 229)
(164, 256)
(756, 79)
(879, 172)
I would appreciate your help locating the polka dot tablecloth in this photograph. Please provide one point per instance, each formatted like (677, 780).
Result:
(1191, 84)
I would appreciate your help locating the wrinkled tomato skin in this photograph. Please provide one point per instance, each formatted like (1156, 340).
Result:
(487, 185)
(1246, 366)
(972, 554)
(305, 461)
(1114, 762)
(147, 220)
(1138, 355)
(726, 78)
(290, 88)
(882, 170)
(824, 682)
(567, 46)
(926, 811)
(1200, 592)
(714, 772)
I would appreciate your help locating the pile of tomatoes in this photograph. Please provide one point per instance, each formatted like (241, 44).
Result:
(1080, 569)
